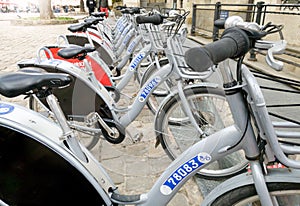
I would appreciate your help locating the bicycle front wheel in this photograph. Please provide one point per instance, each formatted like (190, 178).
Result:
(285, 193)
(176, 133)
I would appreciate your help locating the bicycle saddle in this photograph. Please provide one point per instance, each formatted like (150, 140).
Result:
(98, 14)
(75, 51)
(93, 21)
(120, 7)
(81, 27)
(131, 11)
(16, 83)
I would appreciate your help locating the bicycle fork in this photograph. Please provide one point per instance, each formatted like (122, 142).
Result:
(187, 108)
(241, 118)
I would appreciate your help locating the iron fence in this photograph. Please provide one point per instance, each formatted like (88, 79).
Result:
(204, 15)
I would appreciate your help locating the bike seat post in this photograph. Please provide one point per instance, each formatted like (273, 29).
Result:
(68, 133)
(89, 38)
(100, 31)
(89, 70)
(59, 115)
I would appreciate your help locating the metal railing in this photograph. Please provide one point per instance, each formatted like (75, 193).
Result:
(249, 12)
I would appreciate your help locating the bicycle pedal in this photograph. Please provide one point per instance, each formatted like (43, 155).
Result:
(91, 119)
(276, 166)
(134, 134)
(137, 137)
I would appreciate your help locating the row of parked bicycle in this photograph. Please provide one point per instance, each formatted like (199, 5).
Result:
(91, 102)
(75, 87)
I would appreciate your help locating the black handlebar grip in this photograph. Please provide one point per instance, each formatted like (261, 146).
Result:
(120, 7)
(220, 23)
(233, 43)
(155, 19)
(125, 11)
(136, 10)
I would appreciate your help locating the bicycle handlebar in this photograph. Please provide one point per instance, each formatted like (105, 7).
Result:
(120, 7)
(133, 10)
(233, 43)
(155, 19)
(238, 38)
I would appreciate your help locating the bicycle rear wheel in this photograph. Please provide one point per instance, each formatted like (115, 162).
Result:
(212, 113)
(285, 193)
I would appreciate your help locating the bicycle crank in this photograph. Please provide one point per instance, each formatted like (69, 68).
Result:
(112, 131)
(116, 132)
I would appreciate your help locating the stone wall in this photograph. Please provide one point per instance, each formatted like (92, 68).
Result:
(291, 30)
(205, 18)
(291, 22)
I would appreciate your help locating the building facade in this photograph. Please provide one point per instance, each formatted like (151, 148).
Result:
(188, 3)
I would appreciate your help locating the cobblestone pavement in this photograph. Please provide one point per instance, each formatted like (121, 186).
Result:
(133, 166)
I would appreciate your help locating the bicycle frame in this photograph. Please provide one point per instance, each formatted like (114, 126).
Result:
(239, 136)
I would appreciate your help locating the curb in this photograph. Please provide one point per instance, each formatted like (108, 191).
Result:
(28, 22)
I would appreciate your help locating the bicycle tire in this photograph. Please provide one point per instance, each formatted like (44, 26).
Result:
(286, 193)
(176, 133)
(89, 141)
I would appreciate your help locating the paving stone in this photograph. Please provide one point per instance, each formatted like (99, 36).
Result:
(139, 184)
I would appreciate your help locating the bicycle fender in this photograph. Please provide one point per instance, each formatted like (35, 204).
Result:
(275, 175)
(44, 131)
(16, 116)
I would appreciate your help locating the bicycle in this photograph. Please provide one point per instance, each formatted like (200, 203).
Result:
(98, 66)
(260, 185)
(100, 116)
(101, 70)
(132, 35)
(109, 47)
(194, 109)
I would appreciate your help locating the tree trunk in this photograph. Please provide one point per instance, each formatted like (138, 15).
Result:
(82, 6)
(45, 9)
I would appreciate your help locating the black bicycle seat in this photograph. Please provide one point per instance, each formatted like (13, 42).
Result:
(126, 11)
(93, 21)
(75, 51)
(98, 14)
(17, 83)
(81, 27)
